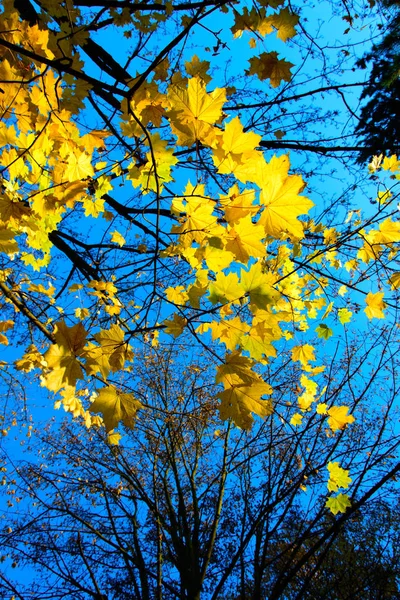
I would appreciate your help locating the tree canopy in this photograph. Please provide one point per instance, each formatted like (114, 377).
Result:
(187, 507)
(150, 201)
(377, 123)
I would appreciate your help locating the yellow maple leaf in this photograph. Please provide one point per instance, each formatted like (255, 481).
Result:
(258, 344)
(237, 204)
(13, 212)
(323, 331)
(238, 402)
(6, 325)
(37, 39)
(269, 66)
(310, 385)
(93, 206)
(235, 141)
(244, 240)
(344, 315)
(148, 105)
(375, 164)
(157, 170)
(112, 344)
(96, 360)
(369, 252)
(237, 369)
(176, 295)
(259, 286)
(82, 313)
(94, 140)
(330, 235)
(303, 354)
(61, 358)
(321, 408)
(229, 332)
(161, 70)
(8, 135)
(46, 96)
(198, 68)
(70, 402)
(389, 232)
(110, 355)
(8, 244)
(196, 291)
(280, 197)
(216, 258)
(256, 20)
(338, 417)
(79, 166)
(338, 477)
(117, 238)
(175, 326)
(70, 339)
(40, 289)
(391, 163)
(199, 220)
(247, 21)
(394, 281)
(338, 503)
(102, 186)
(115, 406)
(284, 22)
(196, 104)
(351, 265)
(296, 419)
(375, 306)
(32, 359)
(113, 437)
(305, 400)
(194, 112)
(226, 288)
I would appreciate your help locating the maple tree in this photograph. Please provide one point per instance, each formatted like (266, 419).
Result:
(140, 205)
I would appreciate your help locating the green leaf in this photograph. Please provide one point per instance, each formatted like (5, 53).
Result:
(344, 315)
(338, 503)
(323, 331)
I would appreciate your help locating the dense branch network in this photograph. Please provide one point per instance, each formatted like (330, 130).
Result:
(139, 205)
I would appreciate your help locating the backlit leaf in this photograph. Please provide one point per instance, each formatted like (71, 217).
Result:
(344, 315)
(115, 406)
(284, 22)
(338, 417)
(117, 238)
(323, 331)
(79, 167)
(269, 66)
(238, 402)
(338, 477)
(338, 503)
(194, 112)
(175, 326)
(303, 354)
(375, 305)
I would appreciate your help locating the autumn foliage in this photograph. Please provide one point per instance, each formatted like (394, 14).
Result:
(139, 206)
